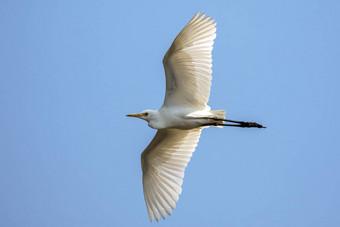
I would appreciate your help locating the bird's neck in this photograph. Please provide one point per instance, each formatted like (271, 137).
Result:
(155, 120)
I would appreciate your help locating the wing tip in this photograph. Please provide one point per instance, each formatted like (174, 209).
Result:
(202, 16)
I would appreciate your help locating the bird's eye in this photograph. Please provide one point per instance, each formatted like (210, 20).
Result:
(146, 114)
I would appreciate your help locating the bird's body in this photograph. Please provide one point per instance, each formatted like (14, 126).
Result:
(182, 116)
(179, 118)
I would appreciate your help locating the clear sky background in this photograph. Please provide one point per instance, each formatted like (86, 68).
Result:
(71, 70)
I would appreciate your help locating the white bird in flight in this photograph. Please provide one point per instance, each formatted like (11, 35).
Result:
(182, 116)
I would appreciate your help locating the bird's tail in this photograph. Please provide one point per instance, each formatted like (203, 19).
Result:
(218, 114)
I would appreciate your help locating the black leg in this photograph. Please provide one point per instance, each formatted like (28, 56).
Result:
(242, 124)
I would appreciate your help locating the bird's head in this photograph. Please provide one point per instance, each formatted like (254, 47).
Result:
(145, 115)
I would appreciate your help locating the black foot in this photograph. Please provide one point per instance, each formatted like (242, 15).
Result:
(245, 124)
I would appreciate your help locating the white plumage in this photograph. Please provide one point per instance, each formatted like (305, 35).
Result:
(182, 116)
(187, 65)
(163, 165)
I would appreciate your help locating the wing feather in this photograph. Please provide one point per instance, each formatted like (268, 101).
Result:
(187, 65)
(163, 165)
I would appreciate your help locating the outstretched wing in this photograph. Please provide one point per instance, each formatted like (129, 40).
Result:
(187, 65)
(163, 165)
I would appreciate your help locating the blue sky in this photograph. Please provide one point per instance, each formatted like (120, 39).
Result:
(71, 70)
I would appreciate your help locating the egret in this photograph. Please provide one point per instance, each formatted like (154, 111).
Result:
(182, 116)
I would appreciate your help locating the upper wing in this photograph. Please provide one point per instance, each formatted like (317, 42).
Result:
(163, 165)
(187, 65)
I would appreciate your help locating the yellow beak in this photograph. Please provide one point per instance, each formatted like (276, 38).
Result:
(138, 115)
